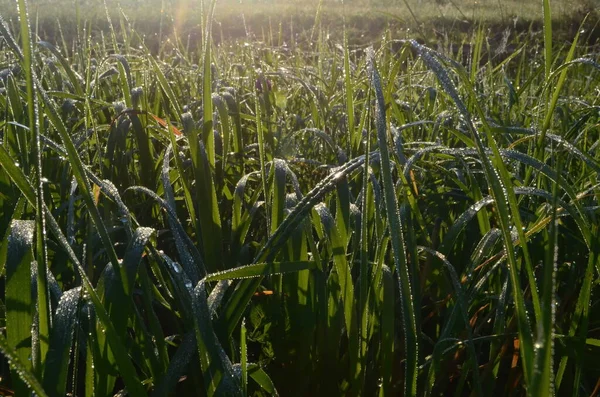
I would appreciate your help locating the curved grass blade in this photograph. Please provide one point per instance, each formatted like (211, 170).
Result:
(240, 222)
(219, 103)
(574, 207)
(177, 365)
(125, 78)
(56, 369)
(191, 258)
(219, 377)
(71, 74)
(238, 139)
(118, 301)
(262, 379)
(277, 199)
(353, 138)
(411, 334)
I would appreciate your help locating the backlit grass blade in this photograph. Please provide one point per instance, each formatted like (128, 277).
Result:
(367, 209)
(261, 270)
(277, 199)
(185, 182)
(16, 174)
(547, 37)
(550, 74)
(174, 109)
(18, 293)
(113, 35)
(582, 309)
(208, 206)
(189, 255)
(387, 331)
(345, 286)
(411, 334)
(307, 202)
(260, 136)
(475, 54)
(16, 136)
(244, 359)
(44, 321)
(225, 128)
(543, 379)
(242, 213)
(353, 138)
(207, 103)
(202, 153)
(145, 151)
(238, 139)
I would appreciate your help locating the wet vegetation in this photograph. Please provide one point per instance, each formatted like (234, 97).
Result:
(297, 210)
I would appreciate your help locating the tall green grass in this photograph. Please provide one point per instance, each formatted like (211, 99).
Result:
(252, 218)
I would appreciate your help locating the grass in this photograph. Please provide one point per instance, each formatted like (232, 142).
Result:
(263, 216)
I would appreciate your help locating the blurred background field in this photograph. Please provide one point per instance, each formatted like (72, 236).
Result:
(366, 20)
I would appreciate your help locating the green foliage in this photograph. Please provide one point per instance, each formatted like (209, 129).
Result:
(252, 217)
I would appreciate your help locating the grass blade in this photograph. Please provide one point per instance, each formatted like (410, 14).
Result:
(411, 334)
(542, 384)
(219, 378)
(18, 293)
(44, 310)
(57, 362)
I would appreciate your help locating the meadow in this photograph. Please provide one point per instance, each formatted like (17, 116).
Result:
(304, 201)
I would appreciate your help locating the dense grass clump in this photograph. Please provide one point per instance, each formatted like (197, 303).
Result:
(262, 218)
